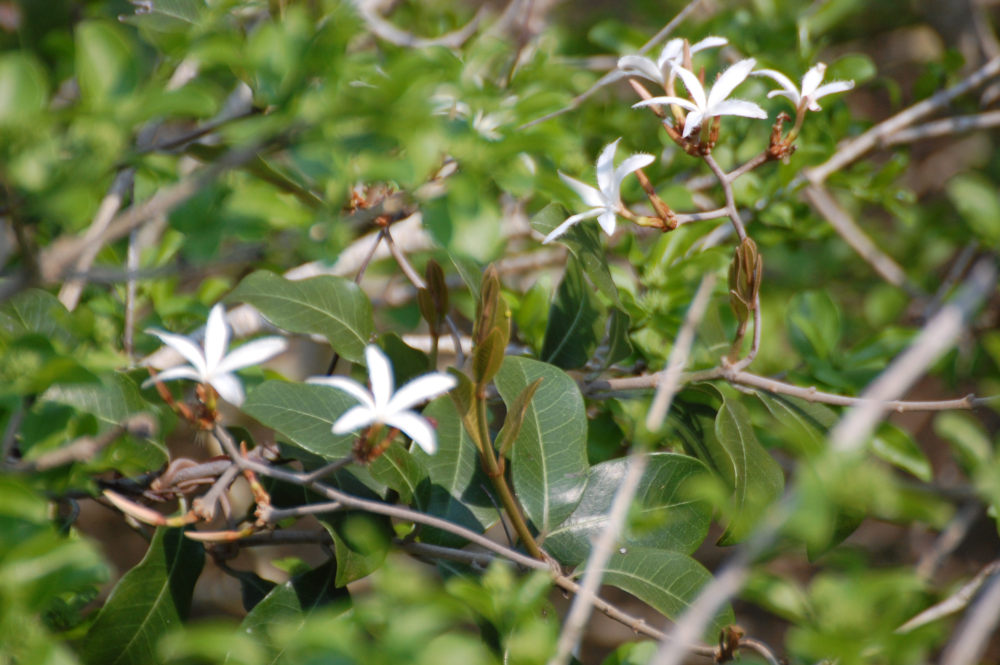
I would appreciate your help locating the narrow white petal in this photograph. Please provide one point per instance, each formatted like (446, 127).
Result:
(590, 195)
(607, 221)
(694, 87)
(349, 386)
(564, 227)
(416, 427)
(354, 419)
(663, 101)
(692, 122)
(252, 353)
(730, 78)
(812, 79)
(379, 375)
(229, 388)
(172, 374)
(637, 65)
(184, 346)
(671, 54)
(708, 42)
(792, 95)
(216, 337)
(832, 88)
(630, 164)
(606, 167)
(780, 79)
(739, 107)
(421, 389)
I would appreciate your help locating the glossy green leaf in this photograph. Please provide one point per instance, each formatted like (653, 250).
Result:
(402, 472)
(111, 402)
(549, 456)
(35, 311)
(663, 515)
(295, 599)
(166, 15)
(813, 321)
(456, 489)
(804, 424)
(619, 345)
(304, 413)
(107, 62)
(361, 542)
(895, 446)
(150, 600)
(754, 476)
(667, 581)
(584, 242)
(967, 438)
(575, 323)
(24, 90)
(329, 306)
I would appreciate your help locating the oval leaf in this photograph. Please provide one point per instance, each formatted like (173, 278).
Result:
(665, 517)
(303, 413)
(667, 581)
(549, 456)
(149, 600)
(575, 322)
(329, 306)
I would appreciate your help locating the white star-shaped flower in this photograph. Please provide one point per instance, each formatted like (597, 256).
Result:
(671, 56)
(605, 201)
(703, 106)
(811, 88)
(212, 365)
(381, 405)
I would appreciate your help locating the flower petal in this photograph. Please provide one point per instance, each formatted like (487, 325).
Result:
(632, 163)
(380, 376)
(637, 65)
(564, 227)
(421, 389)
(590, 196)
(663, 101)
(606, 168)
(354, 419)
(607, 220)
(216, 337)
(252, 353)
(671, 55)
(708, 42)
(694, 87)
(812, 79)
(781, 80)
(739, 107)
(416, 427)
(172, 374)
(730, 78)
(229, 388)
(831, 88)
(184, 346)
(692, 122)
(349, 386)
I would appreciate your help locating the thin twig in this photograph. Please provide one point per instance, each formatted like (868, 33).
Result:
(383, 29)
(969, 642)
(950, 538)
(945, 127)
(956, 602)
(727, 189)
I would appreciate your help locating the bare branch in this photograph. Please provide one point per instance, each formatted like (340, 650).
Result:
(946, 127)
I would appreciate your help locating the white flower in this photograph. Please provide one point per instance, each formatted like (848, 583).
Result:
(701, 107)
(606, 201)
(381, 405)
(671, 56)
(213, 366)
(811, 88)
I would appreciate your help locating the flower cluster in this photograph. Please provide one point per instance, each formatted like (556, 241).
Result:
(692, 112)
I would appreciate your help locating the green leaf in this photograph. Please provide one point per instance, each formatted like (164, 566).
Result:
(966, 436)
(107, 62)
(457, 481)
(401, 471)
(663, 516)
(575, 323)
(35, 311)
(619, 345)
(330, 306)
(166, 15)
(667, 581)
(111, 402)
(24, 90)
(804, 424)
(361, 542)
(149, 600)
(754, 476)
(898, 448)
(813, 321)
(977, 201)
(549, 456)
(295, 599)
(584, 243)
(304, 413)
